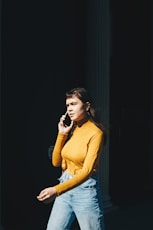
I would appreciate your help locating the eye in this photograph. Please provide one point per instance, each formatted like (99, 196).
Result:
(74, 103)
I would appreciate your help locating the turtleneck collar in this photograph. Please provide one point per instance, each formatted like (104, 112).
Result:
(81, 122)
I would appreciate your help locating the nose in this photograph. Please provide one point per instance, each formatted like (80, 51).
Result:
(69, 108)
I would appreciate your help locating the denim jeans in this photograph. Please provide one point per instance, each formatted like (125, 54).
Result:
(83, 202)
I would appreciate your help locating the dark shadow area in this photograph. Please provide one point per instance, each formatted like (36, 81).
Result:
(131, 217)
(43, 55)
(130, 179)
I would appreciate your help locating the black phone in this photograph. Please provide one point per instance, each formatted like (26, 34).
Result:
(67, 120)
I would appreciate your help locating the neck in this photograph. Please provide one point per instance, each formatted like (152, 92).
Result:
(81, 122)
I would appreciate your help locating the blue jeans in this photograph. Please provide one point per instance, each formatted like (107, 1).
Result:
(83, 202)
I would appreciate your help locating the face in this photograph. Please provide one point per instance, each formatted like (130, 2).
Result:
(77, 110)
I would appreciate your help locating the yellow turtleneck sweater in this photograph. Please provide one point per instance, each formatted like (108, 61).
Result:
(79, 156)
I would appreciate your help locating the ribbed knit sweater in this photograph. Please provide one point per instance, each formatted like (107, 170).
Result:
(79, 156)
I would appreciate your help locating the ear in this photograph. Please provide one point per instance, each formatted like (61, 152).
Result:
(87, 106)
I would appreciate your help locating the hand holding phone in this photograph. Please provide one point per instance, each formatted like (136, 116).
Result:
(65, 124)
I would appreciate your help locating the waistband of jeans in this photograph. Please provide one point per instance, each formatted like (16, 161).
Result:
(94, 175)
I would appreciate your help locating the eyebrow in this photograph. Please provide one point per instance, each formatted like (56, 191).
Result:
(71, 103)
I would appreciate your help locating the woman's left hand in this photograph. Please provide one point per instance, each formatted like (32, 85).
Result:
(47, 195)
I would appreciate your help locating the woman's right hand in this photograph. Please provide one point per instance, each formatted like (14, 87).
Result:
(47, 195)
(63, 128)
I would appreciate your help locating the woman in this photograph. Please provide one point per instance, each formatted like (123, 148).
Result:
(77, 151)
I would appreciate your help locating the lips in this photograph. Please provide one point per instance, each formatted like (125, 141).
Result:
(71, 115)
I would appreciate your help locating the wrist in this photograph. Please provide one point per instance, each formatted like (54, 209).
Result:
(55, 191)
(63, 133)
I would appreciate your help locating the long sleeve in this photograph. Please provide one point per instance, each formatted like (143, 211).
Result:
(56, 155)
(88, 168)
(80, 155)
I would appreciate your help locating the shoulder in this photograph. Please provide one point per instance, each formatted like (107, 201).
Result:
(92, 127)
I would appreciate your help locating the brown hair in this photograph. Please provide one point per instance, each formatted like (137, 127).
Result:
(83, 95)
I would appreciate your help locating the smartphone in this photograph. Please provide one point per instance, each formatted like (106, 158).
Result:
(67, 120)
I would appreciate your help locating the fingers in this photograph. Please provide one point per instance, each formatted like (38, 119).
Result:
(71, 124)
(47, 195)
(42, 195)
(62, 119)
